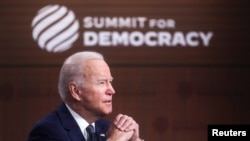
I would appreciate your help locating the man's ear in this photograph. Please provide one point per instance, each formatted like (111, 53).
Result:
(75, 92)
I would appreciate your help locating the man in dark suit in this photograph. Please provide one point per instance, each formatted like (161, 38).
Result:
(86, 91)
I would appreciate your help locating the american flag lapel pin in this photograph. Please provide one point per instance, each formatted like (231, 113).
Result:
(102, 135)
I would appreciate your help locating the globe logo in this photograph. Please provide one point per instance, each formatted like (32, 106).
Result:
(55, 28)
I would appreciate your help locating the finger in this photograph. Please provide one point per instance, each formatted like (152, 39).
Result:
(133, 126)
(117, 119)
(135, 135)
(122, 120)
(129, 124)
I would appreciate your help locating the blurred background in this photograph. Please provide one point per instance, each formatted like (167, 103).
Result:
(173, 92)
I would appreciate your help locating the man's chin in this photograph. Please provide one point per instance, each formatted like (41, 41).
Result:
(108, 112)
(105, 113)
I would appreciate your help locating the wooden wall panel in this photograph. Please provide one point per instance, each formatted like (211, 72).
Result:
(228, 20)
(178, 103)
(170, 103)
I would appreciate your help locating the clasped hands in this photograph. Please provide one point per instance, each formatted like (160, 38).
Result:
(124, 128)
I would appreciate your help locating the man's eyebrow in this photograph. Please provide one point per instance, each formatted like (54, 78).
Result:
(104, 79)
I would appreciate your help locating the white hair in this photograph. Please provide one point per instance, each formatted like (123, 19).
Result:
(72, 70)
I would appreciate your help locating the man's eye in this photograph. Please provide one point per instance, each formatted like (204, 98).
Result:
(101, 82)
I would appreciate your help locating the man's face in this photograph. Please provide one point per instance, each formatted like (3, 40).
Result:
(97, 90)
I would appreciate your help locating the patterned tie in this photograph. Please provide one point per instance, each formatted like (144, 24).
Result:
(91, 133)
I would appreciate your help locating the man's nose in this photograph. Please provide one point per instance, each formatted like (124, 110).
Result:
(110, 89)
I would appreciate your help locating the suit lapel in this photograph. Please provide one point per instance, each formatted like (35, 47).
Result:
(74, 131)
(69, 123)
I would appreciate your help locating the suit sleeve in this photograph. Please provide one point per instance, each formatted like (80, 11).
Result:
(47, 133)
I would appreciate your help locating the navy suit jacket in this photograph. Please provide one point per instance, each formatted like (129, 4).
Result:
(61, 126)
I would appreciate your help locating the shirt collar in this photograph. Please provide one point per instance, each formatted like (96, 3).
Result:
(82, 123)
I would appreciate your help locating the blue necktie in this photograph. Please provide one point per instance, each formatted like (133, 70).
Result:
(91, 133)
